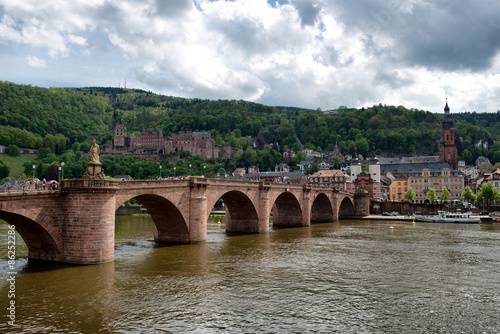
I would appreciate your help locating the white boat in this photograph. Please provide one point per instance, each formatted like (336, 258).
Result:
(449, 217)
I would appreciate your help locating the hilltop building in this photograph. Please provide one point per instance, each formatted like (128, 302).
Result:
(152, 143)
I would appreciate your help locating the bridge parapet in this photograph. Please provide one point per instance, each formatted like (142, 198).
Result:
(88, 183)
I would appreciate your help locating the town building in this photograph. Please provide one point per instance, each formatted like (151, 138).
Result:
(410, 165)
(239, 171)
(453, 180)
(323, 165)
(282, 168)
(331, 178)
(303, 165)
(253, 169)
(398, 188)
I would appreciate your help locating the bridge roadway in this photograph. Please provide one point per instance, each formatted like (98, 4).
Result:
(76, 223)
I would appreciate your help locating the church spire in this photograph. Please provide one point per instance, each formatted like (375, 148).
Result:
(446, 108)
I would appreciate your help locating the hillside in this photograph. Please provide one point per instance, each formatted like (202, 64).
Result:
(57, 118)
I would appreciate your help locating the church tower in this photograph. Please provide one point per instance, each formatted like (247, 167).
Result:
(447, 147)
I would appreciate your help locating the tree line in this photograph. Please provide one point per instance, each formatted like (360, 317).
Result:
(58, 118)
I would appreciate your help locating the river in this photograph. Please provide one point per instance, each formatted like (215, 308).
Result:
(345, 277)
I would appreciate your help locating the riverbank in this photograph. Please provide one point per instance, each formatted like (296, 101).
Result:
(484, 219)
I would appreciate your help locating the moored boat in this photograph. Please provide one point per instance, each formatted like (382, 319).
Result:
(449, 217)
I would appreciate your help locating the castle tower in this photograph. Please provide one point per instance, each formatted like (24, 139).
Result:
(120, 133)
(447, 147)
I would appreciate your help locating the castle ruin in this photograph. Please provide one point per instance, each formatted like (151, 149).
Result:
(152, 143)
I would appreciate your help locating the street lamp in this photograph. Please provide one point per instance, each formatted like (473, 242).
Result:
(59, 173)
(62, 170)
(160, 171)
(204, 170)
(34, 166)
(174, 170)
(189, 169)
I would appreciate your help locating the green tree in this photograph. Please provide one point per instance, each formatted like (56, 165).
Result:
(468, 195)
(13, 150)
(410, 194)
(75, 148)
(487, 193)
(485, 167)
(476, 153)
(431, 195)
(335, 162)
(445, 195)
(4, 170)
(314, 168)
(467, 156)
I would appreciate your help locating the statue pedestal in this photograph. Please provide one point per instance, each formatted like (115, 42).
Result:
(94, 171)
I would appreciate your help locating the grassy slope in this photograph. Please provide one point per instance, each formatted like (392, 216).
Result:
(16, 163)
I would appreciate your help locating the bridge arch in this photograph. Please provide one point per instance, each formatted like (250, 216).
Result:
(346, 207)
(39, 239)
(241, 214)
(321, 209)
(170, 224)
(287, 210)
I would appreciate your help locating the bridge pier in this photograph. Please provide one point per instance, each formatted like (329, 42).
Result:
(198, 216)
(88, 226)
(362, 203)
(264, 210)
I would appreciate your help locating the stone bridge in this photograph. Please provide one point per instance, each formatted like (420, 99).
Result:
(77, 223)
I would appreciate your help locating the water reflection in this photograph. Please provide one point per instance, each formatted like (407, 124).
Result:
(349, 277)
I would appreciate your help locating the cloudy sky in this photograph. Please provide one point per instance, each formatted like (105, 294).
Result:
(320, 53)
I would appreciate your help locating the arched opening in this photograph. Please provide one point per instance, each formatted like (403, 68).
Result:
(287, 211)
(346, 208)
(321, 210)
(40, 243)
(169, 224)
(241, 215)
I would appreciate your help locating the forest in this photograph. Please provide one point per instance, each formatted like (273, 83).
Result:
(62, 122)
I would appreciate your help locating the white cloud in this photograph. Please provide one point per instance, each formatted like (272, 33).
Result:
(310, 54)
(36, 62)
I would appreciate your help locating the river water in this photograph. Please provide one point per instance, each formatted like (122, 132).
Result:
(345, 277)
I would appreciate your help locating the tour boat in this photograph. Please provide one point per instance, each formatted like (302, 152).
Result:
(449, 217)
